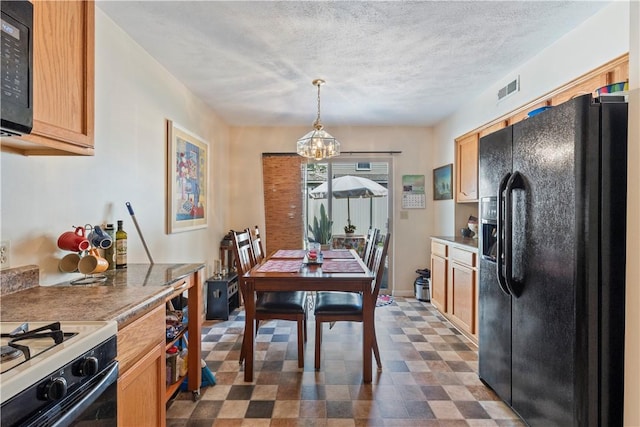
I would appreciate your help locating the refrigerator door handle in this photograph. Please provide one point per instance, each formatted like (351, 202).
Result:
(516, 181)
(500, 231)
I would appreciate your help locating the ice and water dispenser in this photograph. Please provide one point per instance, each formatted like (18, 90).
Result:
(489, 224)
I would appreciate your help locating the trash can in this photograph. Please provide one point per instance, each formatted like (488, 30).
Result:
(422, 285)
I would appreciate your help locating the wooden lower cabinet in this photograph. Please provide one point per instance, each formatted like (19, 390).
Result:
(463, 296)
(142, 380)
(454, 287)
(439, 283)
(439, 275)
(141, 391)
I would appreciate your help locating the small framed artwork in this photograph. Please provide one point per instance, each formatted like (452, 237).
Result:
(187, 180)
(442, 183)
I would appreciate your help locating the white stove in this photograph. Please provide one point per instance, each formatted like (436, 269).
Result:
(57, 357)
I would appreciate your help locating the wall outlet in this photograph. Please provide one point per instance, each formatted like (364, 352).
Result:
(5, 254)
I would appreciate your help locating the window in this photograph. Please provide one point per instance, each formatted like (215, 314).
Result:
(363, 166)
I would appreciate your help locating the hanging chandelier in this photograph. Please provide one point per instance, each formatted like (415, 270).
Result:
(318, 144)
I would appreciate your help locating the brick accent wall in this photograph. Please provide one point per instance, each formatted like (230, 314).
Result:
(282, 176)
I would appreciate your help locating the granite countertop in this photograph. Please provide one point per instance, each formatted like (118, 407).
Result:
(124, 296)
(467, 242)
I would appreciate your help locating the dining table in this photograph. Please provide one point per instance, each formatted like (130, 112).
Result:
(290, 270)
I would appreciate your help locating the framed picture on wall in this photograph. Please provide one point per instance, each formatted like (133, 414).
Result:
(442, 183)
(187, 180)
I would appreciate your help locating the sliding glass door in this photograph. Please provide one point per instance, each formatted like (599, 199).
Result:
(346, 192)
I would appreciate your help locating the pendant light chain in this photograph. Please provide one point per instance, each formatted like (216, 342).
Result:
(317, 124)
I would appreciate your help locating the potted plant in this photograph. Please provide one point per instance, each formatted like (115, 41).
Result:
(349, 228)
(321, 229)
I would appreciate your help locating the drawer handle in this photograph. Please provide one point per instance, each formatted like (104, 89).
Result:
(181, 287)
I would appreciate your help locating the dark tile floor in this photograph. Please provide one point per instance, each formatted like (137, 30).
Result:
(429, 377)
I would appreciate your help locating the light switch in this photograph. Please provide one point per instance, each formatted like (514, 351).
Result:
(404, 214)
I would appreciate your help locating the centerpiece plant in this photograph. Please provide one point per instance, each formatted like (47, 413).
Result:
(321, 229)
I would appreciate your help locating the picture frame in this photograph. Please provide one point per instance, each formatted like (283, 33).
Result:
(187, 179)
(442, 182)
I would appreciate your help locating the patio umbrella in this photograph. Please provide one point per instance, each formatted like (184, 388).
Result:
(347, 187)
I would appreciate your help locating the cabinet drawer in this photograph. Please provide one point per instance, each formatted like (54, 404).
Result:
(439, 249)
(139, 337)
(180, 286)
(463, 257)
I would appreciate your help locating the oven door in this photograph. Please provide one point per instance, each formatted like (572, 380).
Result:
(93, 404)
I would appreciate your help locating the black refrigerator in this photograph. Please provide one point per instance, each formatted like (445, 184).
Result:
(552, 267)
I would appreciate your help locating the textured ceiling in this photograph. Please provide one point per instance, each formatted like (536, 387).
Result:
(385, 63)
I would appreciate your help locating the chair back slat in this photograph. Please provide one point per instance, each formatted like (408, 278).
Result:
(243, 251)
(379, 258)
(372, 237)
(256, 243)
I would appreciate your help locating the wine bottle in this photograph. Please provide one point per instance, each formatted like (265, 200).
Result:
(110, 252)
(121, 247)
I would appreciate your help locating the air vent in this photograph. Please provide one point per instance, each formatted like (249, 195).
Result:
(511, 88)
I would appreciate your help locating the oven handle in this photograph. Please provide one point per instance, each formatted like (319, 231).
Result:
(110, 376)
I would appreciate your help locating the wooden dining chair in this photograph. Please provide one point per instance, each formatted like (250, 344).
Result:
(256, 244)
(371, 239)
(334, 306)
(276, 305)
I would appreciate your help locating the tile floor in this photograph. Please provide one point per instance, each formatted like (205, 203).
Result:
(429, 377)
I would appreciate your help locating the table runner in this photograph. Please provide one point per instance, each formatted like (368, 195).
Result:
(337, 254)
(289, 253)
(300, 253)
(341, 267)
(282, 266)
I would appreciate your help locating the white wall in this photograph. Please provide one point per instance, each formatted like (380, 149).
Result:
(411, 236)
(44, 196)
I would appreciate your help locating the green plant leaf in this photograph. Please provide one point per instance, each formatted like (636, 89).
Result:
(321, 229)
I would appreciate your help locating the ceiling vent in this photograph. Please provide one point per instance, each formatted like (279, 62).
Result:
(511, 88)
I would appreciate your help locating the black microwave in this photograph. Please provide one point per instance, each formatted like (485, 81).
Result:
(17, 67)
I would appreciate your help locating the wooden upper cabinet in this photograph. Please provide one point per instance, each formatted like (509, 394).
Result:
(620, 73)
(588, 86)
(63, 80)
(467, 168)
(521, 115)
(494, 127)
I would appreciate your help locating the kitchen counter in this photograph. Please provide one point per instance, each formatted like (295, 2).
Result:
(463, 242)
(124, 296)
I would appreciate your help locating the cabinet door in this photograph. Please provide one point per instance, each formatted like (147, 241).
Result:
(521, 115)
(141, 391)
(63, 79)
(619, 74)
(464, 295)
(439, 283)
(467, 169)
(588, 86)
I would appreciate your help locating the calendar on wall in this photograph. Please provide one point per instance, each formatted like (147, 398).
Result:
(413, 194)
